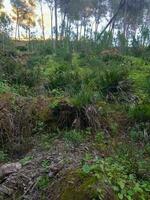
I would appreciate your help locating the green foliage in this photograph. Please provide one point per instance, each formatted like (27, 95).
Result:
(83, 98)
(123, 42)
(4, 88)
(43, 182)
(26, 160)
(74, 137)
(140, 112)
(16, 89)
(99, 137)
(64, 78)
(14, 72)
(105, 41)
(148, 85)
(112, 174)
(45, 165)
(114, 128)
(46, 141)
(3, 156)
(110, 80)
(140, 132)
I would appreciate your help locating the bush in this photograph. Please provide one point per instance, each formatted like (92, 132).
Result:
(4, 88)
(83, 98)
(148, 85)
(65, 79)
(74, 137)
(111, 175)
(140, 132)
(140, 113)
(111, 79)
(15, 72)
(111, 55)
(20, 119)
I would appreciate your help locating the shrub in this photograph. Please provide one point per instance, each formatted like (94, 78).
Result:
(112, 55)
(111, 175)
(4, 88)
(140, 132)
(111, 79)
(148, 85)
(140, 113)
(65, 79)
(99, 137)
(74, 137)
(43, 182)
(83, 98)
(3, 156)
(16, 123)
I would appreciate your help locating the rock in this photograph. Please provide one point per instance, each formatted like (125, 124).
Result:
(8, 169)
(51, 174)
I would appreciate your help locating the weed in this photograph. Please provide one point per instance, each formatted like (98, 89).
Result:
(110, 173)
(45, 165)
(46, 141)
(110, 80)
(74, 137)
(140, 113)
(99, 137)
(26, 160)
(3, 156)
(140, 132)
(83, 98)
(43, 182)
(114, 128)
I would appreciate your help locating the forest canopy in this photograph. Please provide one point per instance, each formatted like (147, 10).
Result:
(74, 19)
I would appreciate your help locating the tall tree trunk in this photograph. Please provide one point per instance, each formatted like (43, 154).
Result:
(63, 26)
(67, 28)
(51, 19)
(56, 22)
(17, 22)
(77, 26)
(3, 43)
(96, 28)
(69, 31)
(84, 32)
(125, 19)
(29, 41)
(42, 19)
(18, 32)
(81, 30)
(52, 24)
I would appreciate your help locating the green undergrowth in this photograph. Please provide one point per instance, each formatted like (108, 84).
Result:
(123, 175)
(102, 98)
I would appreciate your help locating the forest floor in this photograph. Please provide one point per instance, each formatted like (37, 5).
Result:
(53, 163)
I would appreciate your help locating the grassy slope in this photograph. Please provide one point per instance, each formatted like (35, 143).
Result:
(120, 149)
